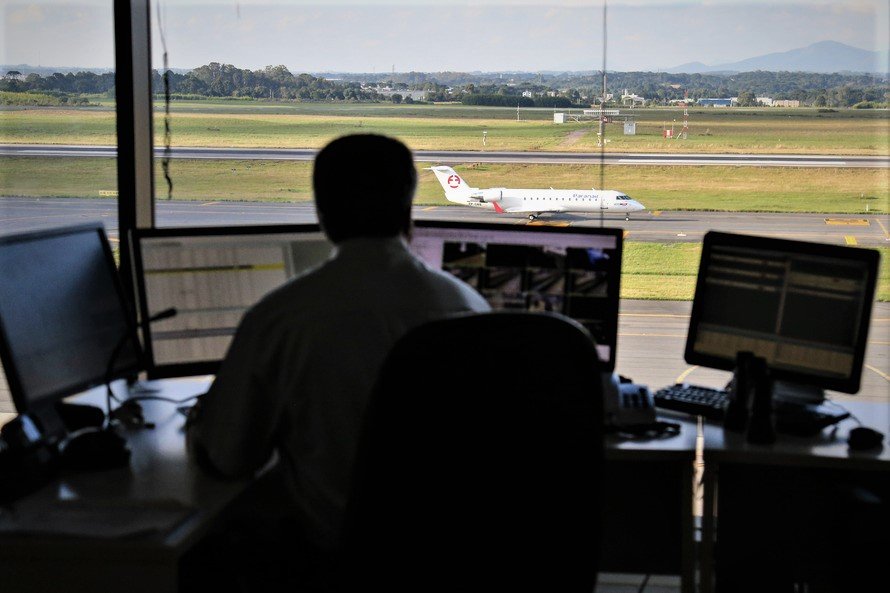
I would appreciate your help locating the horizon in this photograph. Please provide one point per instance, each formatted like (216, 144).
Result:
(493, 36)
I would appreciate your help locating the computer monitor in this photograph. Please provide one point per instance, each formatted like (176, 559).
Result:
(62, 315)
(803, 307)
(575, 271)
(211, 276)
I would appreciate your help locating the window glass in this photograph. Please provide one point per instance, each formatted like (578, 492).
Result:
(57, 119)
(708, 113)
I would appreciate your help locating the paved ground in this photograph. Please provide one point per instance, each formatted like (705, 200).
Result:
(21, 214)
(476, 156)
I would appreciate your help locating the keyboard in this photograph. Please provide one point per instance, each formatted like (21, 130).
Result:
(791, 418)
(692, 399)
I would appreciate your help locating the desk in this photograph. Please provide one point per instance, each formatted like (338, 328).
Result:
(648, 501)
(648, 523)
(159, 473)
(777, 505)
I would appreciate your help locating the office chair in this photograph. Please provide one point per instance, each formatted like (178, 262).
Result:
(479, 467)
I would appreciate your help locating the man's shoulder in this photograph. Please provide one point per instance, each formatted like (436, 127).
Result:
(446, 282)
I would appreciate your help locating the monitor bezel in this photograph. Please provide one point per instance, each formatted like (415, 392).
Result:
(614, 300)
(869, 257)
(195, 368)
(13, 375)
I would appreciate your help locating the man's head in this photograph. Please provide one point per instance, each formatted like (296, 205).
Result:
(363, 186)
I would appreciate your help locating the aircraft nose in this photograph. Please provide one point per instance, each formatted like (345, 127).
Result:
(638, 206)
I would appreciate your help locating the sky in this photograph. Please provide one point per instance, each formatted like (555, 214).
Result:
(437, 35)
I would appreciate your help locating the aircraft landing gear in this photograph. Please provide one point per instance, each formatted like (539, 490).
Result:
(533, 216)
(627, 217)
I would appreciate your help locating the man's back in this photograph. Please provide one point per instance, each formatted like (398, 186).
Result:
(308, 356)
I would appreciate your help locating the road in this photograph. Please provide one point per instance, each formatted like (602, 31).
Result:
(21, 214)
(472, 156)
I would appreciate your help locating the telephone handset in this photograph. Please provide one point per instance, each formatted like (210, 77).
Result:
(626, 403)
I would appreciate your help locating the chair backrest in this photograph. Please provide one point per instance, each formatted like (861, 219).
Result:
(480, 463)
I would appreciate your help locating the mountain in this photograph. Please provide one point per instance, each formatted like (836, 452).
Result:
(823, 57)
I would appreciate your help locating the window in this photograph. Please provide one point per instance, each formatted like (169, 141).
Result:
(57, 119)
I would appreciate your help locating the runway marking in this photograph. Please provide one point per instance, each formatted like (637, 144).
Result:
(685, 374)
(882, 374)
(544, 223)
(883, 228)
(847, 221)
(427, 209)
(210, 203)
(626, 234)
(850, 240)
(656, 213)
(652, 315)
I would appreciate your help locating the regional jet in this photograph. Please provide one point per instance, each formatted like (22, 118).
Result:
(534, 201)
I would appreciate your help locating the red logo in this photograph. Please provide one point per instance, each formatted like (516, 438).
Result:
(453, 181)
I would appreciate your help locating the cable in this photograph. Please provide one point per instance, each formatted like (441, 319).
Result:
(644, 583)
(115, 352)
(165, 162)
(843, 409)
(161, 398)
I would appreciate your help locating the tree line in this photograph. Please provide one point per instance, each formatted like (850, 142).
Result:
(571, 89)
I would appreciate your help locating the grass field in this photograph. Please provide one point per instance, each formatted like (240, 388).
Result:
(643, 273)
(457, 127)
(658, 187)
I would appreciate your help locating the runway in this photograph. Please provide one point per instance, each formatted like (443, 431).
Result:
(471, 156)
(22, 214)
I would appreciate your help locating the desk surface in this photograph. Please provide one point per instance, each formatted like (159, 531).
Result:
(160, 476)
(828, 449)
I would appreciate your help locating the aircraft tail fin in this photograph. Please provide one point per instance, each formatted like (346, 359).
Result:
(456, 188)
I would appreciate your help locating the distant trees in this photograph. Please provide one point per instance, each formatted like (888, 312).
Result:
(747, 99)
(520, 88)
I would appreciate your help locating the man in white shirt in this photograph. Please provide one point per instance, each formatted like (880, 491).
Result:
(303, 362)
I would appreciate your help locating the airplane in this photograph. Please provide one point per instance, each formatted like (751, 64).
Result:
(533, 201)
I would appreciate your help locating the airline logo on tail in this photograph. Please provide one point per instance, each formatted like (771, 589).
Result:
(456, 190)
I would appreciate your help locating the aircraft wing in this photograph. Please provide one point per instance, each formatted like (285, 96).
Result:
(517, 209)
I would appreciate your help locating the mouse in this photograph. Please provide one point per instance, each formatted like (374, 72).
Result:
(863, 438)
(94, 449)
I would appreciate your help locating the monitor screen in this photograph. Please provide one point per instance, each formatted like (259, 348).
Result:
(574, 271)
(211, 276)
(62, 314)
(804, 307)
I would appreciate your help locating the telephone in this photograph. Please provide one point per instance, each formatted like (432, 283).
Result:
(28, 459)
(626, 403)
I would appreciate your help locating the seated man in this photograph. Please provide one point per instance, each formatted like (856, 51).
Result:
(304, 360)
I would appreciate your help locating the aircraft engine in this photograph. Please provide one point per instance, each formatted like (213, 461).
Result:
(490, 195)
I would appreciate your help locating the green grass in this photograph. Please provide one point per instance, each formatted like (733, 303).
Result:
(643, 268)
(883, 290)
(458, 127)
(659, 188)
(643, 273)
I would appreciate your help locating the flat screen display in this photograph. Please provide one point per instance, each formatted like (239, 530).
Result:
(211, 277)
(804, 307)
(62, 313)
(575, 271)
